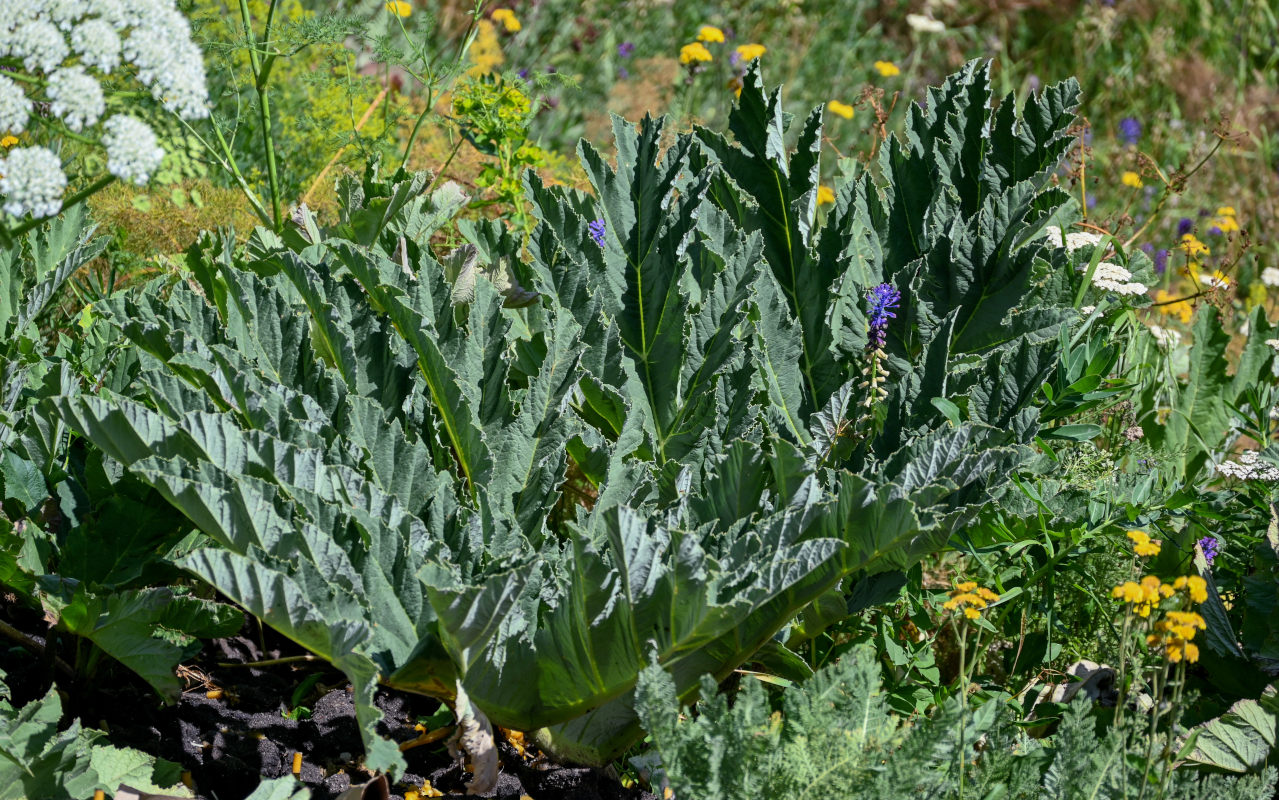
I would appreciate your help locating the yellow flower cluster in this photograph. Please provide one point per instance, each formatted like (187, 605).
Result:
(1174, 633)
(693, 53)
(971, 598)
(1142, 545)
(1193, 247)
(1131, 179)
(887, 68)
(750, 52)
(8, 141)
(507, 18)
(825, 195)
(1181, 309)
(1143, 596)
(399, 8)
(840, 109)
(710, 34)
(1225, 220)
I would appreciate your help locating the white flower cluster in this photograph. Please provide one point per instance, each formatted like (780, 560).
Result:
(97, 44)
(1114, 278)
(1273, 344)
(157, 42)
(1166, 338)
(65, 40)
(1249, 468)
(32, 181)
(1071, 241)
(77, 98)
(1270, 277)
(15, 108)
(132, 150)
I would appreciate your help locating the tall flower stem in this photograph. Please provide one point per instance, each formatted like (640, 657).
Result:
(261, 68)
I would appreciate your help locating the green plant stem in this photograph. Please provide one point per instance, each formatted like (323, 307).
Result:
(226, 160)
(35, 647)
(270, 662)
(963, 701)
(261, 73)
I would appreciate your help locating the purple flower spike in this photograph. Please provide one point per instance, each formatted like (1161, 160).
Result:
(1184, 226)
(882, 300)
(625, 49)
(1130, 130)
(1161, 261)
(597, 229)
(1210, 547)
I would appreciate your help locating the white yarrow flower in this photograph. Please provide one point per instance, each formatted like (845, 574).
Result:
(32, 181)
(77, 98)
(133, 152)
(15, 107)
(1270, 277)
(97, 44)
(1249, 467)
(925, 24)
(39, 44)
(1074, 241)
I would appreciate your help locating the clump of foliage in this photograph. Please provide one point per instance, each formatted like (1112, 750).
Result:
(376, 439)
(835, 737)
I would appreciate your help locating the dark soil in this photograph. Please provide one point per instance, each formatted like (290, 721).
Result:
(230, 740)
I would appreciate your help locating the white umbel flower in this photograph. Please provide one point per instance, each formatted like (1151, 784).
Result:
(33, 182)
(115, 12)
(133, 152)
(13, 14)
(97, 44)
(173, 69)
(64, 13)
(77, 98)
(15, 107)
(1270, 277)
(39, 44)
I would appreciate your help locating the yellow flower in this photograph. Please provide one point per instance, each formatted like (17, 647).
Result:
(750, 52)
(399, 8)
(1142, 544)
(1180, 309)
(1226, 211)
(841, 109)
(1197, 587)
(8, 141)
(887, 68)
(972, 613)
(507, 17)
(987, 594)
(696, 51)
(1193, 247)
(1226, 223)
(1131, 179)
(709, 33)
(966, 586)
(825, 195)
